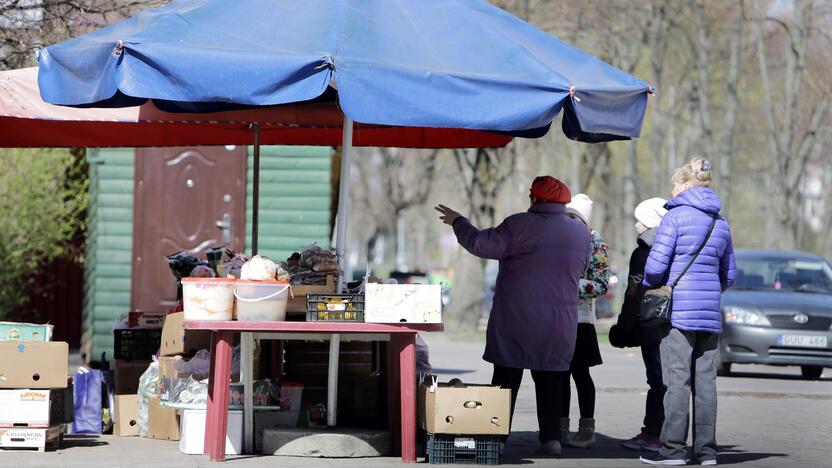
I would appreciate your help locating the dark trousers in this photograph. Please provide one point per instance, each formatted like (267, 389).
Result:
(585, 388)
(654, 406)
(547, 388)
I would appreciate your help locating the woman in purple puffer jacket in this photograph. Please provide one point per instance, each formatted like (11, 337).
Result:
(696, 318)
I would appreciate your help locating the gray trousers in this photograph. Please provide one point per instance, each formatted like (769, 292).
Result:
(688, 368)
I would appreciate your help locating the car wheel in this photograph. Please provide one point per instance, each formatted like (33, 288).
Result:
(811, 372)
(723, 369)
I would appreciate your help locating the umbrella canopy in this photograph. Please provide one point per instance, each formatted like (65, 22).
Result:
(27, 121)
(452, 64)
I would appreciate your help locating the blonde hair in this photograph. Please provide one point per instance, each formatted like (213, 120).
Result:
(696, 173)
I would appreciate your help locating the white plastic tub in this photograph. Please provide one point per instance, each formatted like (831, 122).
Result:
(192, 432)
(261, 300)
(208, 298)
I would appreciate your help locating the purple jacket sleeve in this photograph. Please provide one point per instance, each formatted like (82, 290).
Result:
(727, 266)
(661, 254)
(492, 243)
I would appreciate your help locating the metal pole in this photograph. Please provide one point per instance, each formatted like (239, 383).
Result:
(343, 203)
(332, 381)
(247, 376)
(255, 196)
(340, 250)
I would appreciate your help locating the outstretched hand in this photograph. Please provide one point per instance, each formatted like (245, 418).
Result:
(448, 215)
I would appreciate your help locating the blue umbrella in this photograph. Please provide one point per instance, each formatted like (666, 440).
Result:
(456, 64)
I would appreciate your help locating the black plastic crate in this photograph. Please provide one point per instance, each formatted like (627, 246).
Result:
(136, 343)
(335, 308)
(463, 449)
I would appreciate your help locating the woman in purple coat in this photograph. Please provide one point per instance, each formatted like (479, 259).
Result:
(690, 345)
(533, 323)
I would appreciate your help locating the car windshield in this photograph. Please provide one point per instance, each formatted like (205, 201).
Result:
(784, 274)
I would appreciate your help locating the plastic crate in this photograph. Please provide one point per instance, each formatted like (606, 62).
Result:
(335, 308)
(463, 449)
(136, 343)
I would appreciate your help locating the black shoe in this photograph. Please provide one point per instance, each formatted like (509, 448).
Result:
(659, 459)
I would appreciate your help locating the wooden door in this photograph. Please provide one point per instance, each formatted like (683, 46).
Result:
(188, 198)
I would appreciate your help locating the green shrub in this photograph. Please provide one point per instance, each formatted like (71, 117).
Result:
(43, 198)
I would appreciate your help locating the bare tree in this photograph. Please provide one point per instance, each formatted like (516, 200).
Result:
(28, 25)
(794, 113)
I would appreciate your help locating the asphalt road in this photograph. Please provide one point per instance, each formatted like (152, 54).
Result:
(768, 417)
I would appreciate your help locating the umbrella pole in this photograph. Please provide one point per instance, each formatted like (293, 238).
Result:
(343, 204)
(340, 250)
(255, 196)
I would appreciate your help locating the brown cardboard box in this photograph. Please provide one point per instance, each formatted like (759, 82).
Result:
(177, 340)
(30, 364)
(126, 375)
(162, 423)
(473, 409)
(297, 300)
(127, 416)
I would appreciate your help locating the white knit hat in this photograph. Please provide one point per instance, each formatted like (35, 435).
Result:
(581, 205)
(650, 212)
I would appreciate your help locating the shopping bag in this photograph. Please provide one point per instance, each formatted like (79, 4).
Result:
(87, 401)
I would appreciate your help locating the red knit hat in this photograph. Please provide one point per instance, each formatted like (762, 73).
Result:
(549, 189)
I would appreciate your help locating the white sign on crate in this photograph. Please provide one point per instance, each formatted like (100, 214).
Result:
(395, 303)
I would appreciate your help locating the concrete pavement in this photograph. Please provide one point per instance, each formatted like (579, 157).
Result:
(768, 417)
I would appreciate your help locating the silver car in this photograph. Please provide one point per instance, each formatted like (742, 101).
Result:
(779, 312)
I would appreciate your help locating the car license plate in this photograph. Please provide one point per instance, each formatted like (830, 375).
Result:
(802, 341)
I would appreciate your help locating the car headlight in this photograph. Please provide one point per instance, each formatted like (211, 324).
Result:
(745, 316)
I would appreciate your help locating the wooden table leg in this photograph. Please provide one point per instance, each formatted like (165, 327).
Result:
(216, 424)
(406, 343)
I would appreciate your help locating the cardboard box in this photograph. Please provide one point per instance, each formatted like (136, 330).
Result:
(297, 300)
(193, 432)
(177, 340)
(473, 409)
(37, 438)
(394, 303)
(25, 331)
(137, 319)
(33, 364)
(126, 416)
(126, 376)
(32, 408)
(162, 423)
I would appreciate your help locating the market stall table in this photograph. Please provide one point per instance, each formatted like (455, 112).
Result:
(402, 339)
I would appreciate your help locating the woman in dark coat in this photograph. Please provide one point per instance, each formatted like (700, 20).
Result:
(628, 333)
(533, 323)
(689, 348)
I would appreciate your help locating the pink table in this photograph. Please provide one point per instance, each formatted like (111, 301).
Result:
(402, 342)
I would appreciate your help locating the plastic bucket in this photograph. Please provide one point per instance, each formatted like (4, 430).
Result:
(261, 300)
(208, 298)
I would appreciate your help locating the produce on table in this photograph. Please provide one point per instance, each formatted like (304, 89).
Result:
(259, 268)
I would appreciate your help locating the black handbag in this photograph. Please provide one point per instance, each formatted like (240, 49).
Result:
(657, 305)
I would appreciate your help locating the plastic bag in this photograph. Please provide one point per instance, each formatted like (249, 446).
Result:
(188, 391)
(87, 386)
(147, 388)
(200, 364)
